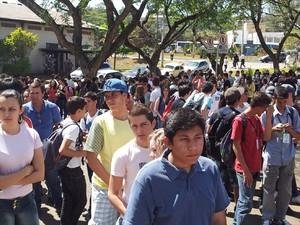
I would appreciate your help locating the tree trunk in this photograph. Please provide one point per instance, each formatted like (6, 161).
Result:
(276, 64)
(194, 42)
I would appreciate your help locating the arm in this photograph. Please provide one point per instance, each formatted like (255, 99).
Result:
(97, 167)
(219, 218)
(38, 166)
(66, 151)
(14, 178)
(239, 155)
(115, 187)
(267, 135)
(156, 106)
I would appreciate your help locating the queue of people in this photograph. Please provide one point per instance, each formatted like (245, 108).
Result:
(153, 147)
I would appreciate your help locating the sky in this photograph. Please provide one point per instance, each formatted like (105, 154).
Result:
(118, 3)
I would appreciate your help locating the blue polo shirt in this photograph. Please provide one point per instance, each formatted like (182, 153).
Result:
(165, 195)
(278, 153)
(44, 120)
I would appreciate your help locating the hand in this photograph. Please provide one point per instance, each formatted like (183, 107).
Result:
(288, 127)
(278, 127)
(270, 110)
(248, 178)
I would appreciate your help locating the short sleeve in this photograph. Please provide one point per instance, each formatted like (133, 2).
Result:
(37, 140)
(237, 128)
(71, 132)
(118, 163)
(140, 209)
(95, 139)
(56, 114)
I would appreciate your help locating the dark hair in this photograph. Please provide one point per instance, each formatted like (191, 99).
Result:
(184, 88)
(11, 83)
(11, 93)
(139, 109)
(75, 103)
(232, 95)
(155, 81)
(260, 99)
(183, 119)
(281, 92)
(92, 95)
(207, 87)
(38, 84)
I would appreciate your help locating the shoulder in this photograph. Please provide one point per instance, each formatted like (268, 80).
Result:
(32, 132)
(49, 105)
(207, 164)
(150, 171)
(123, 151)
(27, 106)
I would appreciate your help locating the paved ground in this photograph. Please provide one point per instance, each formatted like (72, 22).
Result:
(49, 216)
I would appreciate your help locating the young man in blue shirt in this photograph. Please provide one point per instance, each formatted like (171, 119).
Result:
(181, 187)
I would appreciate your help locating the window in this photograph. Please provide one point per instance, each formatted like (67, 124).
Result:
(48, 29)
(4, 24)
(34, 27)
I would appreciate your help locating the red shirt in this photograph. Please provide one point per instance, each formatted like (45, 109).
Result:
(28, 121)
(252, 145)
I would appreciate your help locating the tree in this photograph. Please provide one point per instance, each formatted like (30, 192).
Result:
(116, 33)
(175, 17)
(285, 12)
(15, 49)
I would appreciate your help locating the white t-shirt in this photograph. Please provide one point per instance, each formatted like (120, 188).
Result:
(16, 152)
(89, 120)
(155, 94)
(71, 133)
(215, 102)
(245, 106)
(126, 163)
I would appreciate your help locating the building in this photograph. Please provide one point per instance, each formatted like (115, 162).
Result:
(13, 15)
(247, 38)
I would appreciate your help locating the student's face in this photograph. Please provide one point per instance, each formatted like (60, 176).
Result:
(36, 95)
(115, 99)
(186, 147)
(90, 104)
(141, 127)
(281, 103)
(10, 110)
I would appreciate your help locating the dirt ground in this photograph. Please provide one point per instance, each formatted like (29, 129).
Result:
(49, 216)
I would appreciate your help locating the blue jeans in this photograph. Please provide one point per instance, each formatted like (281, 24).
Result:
(19, 211)
(54, 188)
(245, 201)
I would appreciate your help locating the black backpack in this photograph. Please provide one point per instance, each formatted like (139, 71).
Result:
(221, 125)
(226, 144)
(53, 159)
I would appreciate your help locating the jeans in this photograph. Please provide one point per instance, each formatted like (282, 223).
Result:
(37, 187)
(245, 201)
(19, 211)
(74, 195)
(54, 188)
(276, 208)
(295, 191)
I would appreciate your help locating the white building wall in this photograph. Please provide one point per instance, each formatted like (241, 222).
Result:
(37, 57)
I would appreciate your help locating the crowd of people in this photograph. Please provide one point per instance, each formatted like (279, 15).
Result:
(153, 147)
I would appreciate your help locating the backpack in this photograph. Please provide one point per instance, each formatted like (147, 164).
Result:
(196, 104)
(53, 159)
(168, 108)
(221, 125)
(226, 144)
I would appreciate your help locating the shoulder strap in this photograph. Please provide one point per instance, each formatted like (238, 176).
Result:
(291, 114)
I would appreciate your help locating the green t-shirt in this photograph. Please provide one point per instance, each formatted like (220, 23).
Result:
(105, 137)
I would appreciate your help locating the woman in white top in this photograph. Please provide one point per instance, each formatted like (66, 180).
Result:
(21, 163)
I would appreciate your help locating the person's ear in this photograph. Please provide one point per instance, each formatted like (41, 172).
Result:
(168, 143)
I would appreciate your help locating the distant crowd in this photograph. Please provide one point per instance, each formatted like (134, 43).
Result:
(157, 149)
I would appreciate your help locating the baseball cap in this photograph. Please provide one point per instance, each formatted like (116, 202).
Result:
(270, 91)
(289, 88)
(114, 85)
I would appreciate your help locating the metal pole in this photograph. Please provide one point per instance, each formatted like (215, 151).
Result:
(242, 45)
(217, 60)
(162, 38)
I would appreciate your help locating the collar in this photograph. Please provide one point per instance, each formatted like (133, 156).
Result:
(31, 108)
(173, 172)
(276, 112)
